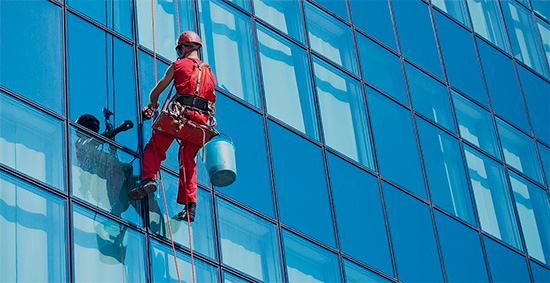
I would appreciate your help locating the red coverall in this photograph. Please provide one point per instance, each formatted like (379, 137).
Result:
(185, 82)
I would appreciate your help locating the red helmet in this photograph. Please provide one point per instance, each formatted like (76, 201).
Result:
(189, 37)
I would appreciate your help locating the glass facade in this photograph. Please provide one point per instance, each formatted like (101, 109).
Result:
(376, 141)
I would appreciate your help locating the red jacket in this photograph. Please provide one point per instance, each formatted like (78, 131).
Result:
(185, 78)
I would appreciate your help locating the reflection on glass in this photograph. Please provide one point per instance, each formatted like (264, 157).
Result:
(287, 84)
(248, 243)
(202, 231)
(357, 274)
(336, 6)
(534, 216)
(544, 30)
(106, 251)
(544, 153)
(330, 37)
(228, 48)
(429, 97)
(487, 22)
(395, 142)
(374, 18)
(163, 267)
(455, 8)
(230, 278)
(166, 24)
(282, 14)
(537, 99)
(492, 197)
(32, 39)
(343, 113)
(115, 14)
(475, 125)
(519, 151)
(31, 142)
(307, 262)
(381, 68)
(505, 265)
(542, 8)
(32, 241)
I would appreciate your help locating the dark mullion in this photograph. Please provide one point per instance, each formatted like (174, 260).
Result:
(369, 268)
(236, 272)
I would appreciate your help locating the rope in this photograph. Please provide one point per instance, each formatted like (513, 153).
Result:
(177, 17)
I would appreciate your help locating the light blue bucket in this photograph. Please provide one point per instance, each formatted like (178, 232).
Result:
(220, 162)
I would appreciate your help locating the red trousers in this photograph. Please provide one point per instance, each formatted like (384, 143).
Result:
(155, 153)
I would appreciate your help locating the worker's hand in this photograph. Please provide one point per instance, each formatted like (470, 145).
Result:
(152, 105)
(147, 113)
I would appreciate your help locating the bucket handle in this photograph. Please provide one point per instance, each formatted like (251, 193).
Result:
(226, 135)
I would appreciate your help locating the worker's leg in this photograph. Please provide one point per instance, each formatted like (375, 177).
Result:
(187, 184)
(154, 154)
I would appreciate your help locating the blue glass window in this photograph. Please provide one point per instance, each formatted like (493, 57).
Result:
(301, 184)
(202, 231)
(246, 128)
(534, 215)
(545, 160)
(330, 37)
(487, 22)
(445, 171)
(106, 251)
(494, 206)
(416, 34)
(287, 83)
(241, 3)
(524, 36)
(343, 113)
(307, 262)
(282, 14)
(359, 214)
(519, 151)
(459, 56)
(374, 18)
(382, 68)
(503, 85)
(33, 241)
(475, 125)
(163, 267)
(166, 24)
(336, 6)
(395, 143)
(356, 274)
(536, 95)
(230, 278)
(109, 64)
(429, 97)
(31, 58)
(455, 8)
(115, 14)
(228, 47)
(31, 142)
(504, 264)
(542, 8)
(413, 238)
(540, 274)
(248, 243)
(544, 30)
(461, 249)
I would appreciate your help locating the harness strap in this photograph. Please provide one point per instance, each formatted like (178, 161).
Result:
(199, 80)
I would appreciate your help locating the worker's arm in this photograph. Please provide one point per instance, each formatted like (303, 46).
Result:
(160, 87)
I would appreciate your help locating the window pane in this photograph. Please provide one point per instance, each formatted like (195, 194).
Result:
(412, 236)
(248, 243)
(544, 30)
(253, 184)
(106, 251)
(374, 18)
(488, 23)
(166, 24)
(504, 264)
(336, 6)
(307, 262)
(359, 214)
(356, 274)
(163, 267)
(460, 58)
(461, 249)
(524, 36)
(429, 97)
(115, 14)
(287, 83)
(492, 197)
(544, 153)
(32, 38)
(445, 171)
(455, 8)
(416, 34)
(395, 143)
(109, 64)
(536, 95)
(230, 278)
(542, 8)
(31, 142)
(282, 14)
(475, 125)
(343, 113)
(202, 231)
(534, 215)
(330, 37)
(540, 274)
(32, 241)
(519, 151)
(382, 68)
(300, 180)
(228, 48)
(103, 176)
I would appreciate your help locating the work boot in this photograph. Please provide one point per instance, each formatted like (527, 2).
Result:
(147, 186)
(182, 215)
